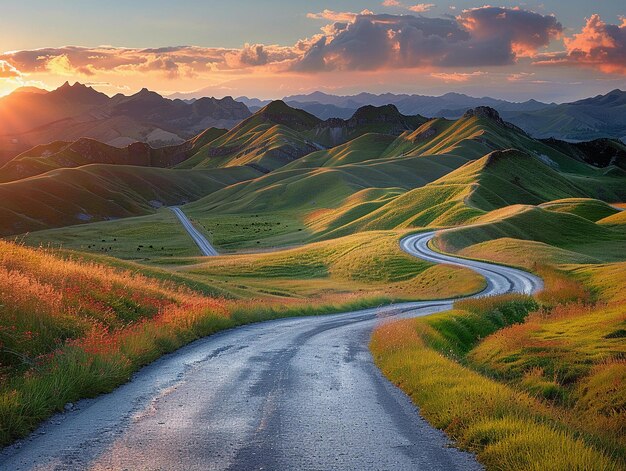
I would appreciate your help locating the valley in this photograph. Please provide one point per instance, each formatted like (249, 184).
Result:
(387, 218)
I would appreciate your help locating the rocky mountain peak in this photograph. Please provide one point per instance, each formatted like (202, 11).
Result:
(483, 112)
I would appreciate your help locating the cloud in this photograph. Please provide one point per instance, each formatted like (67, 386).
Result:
(599, 45)
(339, 16)
(479, 37)
(7, 71)
(421, 7)
(170, 62)
(524, 31)
(456, 76)
(418, 8)
(520, 76)
(486, 36)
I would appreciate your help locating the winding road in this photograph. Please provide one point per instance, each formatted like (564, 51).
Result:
(203, 244)
(292, 394)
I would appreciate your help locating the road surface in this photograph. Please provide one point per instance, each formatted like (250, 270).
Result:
(292, 394)
(203, 244)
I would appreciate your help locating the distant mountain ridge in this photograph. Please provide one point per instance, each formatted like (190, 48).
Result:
(32, 117)
(602, 116)
(332, 106)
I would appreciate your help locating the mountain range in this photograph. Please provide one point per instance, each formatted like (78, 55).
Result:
(590, 118)
(30, 117)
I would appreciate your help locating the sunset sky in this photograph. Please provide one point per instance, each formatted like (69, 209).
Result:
(548, 50)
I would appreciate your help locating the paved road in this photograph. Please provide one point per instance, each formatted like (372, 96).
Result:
(203, 244)
(293, 394)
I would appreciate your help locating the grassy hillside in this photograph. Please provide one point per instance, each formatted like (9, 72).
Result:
(590, 209)
(59, 154)
(98, 192)
(267, 140)
(144, 238)
(478, 133)
(562, 230)
(369, 263)
(361, 149)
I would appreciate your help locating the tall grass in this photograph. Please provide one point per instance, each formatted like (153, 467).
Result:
(71, 329)
(526, 386)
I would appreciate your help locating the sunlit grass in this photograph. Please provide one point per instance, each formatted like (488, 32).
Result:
(525, 390)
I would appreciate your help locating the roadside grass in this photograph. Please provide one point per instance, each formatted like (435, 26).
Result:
(525, 384)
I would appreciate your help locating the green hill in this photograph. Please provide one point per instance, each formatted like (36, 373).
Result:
(366, 147)
(593, 210)
(528, 223)
(267, 140)
(445, 173)
(497, 180)
(99, 192)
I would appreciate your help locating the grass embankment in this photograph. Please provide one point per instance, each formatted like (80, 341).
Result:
(526, 384)
(73, 328)
(371, 264)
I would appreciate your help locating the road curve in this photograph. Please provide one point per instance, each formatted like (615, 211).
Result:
(292, 394)
(203, 244)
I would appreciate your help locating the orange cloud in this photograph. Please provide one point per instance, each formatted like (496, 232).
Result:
(7, 71)
(421, 7)
(342, 16)
(456, 76)
(599, 45)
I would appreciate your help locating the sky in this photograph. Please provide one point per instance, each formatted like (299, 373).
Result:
(548, 50)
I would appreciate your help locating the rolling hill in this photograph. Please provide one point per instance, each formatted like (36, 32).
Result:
(85, 151)
(384, 119)
(278, 134)
(267, 140)
(99, 192)
(445, 172)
